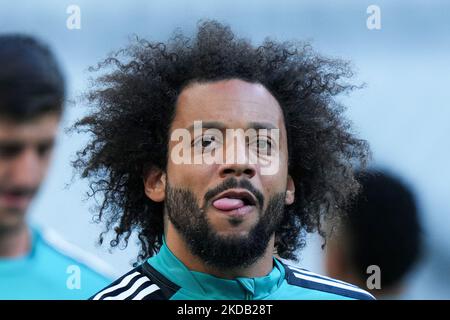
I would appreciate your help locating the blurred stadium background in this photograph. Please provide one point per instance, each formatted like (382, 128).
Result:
(403, 111)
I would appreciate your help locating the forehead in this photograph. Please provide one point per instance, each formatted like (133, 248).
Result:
(43, 127)
(233, 102)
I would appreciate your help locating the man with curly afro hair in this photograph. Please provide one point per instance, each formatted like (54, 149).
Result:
(163, 117)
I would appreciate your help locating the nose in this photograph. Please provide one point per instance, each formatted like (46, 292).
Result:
(237, 170)
(25, 170)
(238, 160)
(239, 164)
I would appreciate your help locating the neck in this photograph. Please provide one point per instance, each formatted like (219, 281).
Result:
(14, 242)
(179, 248)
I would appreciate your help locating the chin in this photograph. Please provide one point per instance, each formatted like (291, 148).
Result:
(233, 234)
(232, 229)
(10, 223)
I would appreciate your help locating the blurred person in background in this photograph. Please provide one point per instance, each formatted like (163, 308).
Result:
(34, 262)
(382, 229)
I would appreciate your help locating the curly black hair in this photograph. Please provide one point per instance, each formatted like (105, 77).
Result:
(133, 103)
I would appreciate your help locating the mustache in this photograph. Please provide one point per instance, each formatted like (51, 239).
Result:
(19, 192)
(235, 183)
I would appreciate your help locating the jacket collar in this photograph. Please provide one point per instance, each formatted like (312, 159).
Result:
(198, 284)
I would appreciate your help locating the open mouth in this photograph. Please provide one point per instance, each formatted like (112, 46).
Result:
(235, 202)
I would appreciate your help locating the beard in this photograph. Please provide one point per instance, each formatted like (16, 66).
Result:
(223, 252)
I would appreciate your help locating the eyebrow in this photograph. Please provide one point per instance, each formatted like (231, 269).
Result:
(19, 142)
(262, 125)
(221, 125)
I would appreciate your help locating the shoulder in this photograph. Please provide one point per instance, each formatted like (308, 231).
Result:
(68, 251)
(134, 285)
(300, 277)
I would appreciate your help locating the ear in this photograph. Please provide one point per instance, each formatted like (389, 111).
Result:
(290, 191)
(155, 184)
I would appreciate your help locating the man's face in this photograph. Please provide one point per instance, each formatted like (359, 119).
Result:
(25, 150)
(218, 207)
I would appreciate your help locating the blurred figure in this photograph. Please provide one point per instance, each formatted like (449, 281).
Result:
(34, 262)
(382, 229)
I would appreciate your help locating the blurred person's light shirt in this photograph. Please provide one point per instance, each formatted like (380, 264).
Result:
(52, 269)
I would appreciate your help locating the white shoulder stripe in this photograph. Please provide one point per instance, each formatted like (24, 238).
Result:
(146, 292)
(130, 291)
(74, 252)
(121, 284)
(319, 276)
(331, 283)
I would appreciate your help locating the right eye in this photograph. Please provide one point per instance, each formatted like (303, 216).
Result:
(10, 150)
(206, 141)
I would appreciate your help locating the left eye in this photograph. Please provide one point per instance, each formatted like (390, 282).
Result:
(44, 148)
(262, 144)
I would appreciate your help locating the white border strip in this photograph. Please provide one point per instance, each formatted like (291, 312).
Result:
(74, 252)
(130, 291)
(125, 281)
(331, 283)
(146, 292)
(320, 276)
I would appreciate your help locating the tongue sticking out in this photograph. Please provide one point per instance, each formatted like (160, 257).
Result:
(227, 204)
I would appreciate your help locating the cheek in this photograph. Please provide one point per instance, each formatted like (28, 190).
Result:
(44, 162)
(195, 178)
(3, 170)
(272, 185)
(44, 166)
(189, 175)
